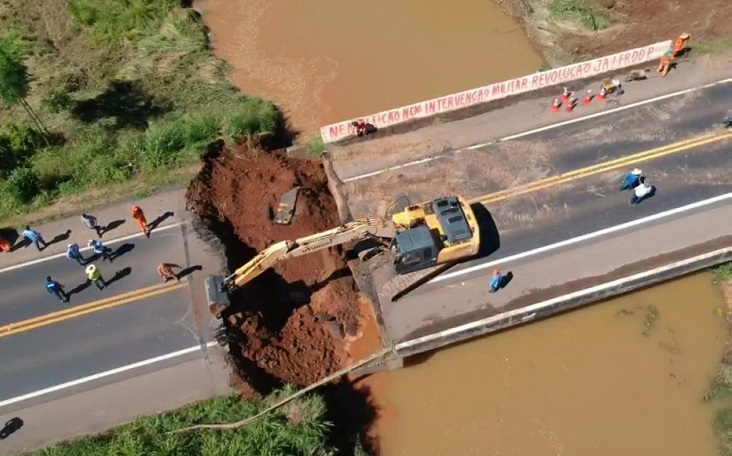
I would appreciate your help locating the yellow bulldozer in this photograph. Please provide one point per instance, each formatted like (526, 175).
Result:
(423, 240)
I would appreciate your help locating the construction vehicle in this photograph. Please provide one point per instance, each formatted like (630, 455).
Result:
(423, 240)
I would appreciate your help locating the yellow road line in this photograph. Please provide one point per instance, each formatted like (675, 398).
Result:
(601, 168)
(96, 306)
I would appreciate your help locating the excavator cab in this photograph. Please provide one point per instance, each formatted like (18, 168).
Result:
(432, 233)
(414, 249)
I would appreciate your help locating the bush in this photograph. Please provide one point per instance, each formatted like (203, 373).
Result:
(252, 116)
(316, 147)
(274, 434)
(579, 11)
(56, 101)
(24, 185)
(723, 272)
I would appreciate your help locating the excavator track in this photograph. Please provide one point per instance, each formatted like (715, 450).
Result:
(400, 285)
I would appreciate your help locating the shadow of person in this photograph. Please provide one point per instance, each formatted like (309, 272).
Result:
(155, 223)
(371, 128)
(122, 249)
(120, 274)
(11, 426)
(21, 244)
(59, 238)
(112, 225)
(505, 280)
(79, 288)
(189, 270)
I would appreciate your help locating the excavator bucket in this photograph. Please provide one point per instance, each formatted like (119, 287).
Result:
(286, 207)
(217, 299)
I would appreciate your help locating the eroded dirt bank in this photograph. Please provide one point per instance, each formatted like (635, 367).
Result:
(294, 324)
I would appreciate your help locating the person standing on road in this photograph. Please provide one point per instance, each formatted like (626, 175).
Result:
(91, 222)
(73, 253)
(57, 289)
(93, 274)
(165, 270)
(632, 179)
(139, 217)
(100, 249)
(496, 280)
(34, 237)
(641, 192)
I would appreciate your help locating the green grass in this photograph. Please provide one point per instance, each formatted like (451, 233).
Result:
(714, 47)
(316, 147)
(581, 12)
(130, 93)
(723, 272)
(299, 428)
(723, 427)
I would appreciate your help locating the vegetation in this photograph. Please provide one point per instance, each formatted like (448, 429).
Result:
(128, 92)
(723, 272)
(723, 426)
(581, 12)
(713, 47)
(316, 147)
(298, 428)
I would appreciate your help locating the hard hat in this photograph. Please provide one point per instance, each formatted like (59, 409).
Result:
(636, 171)
(69, 246)
(90, 242)
(90, 269)
(685, 36)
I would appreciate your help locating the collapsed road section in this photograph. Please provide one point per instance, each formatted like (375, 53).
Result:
(298, 322)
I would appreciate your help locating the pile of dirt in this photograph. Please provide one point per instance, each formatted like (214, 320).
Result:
(294, 322)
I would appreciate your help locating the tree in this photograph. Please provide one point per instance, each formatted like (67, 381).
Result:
(14, 78)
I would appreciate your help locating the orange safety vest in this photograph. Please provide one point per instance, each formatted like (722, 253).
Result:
(4, 245)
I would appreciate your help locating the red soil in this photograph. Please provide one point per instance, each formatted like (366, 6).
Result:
(297, 322)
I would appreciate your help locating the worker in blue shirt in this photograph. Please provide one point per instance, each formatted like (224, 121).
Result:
(35, 237)
(631, 180)
(73, 253)
(57, 289)
(101, 250)
(496, 280)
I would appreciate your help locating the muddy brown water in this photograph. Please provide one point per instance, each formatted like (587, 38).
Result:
(596, 381)
(325, 61)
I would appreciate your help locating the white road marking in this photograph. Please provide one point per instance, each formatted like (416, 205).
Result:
(84, 249)
(538, 130)
(582, 238)
(613, 110)
(392, 168)
(101, 375)
(478, 146)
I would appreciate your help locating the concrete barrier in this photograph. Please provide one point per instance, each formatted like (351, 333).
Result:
(499, 90)
(562, 303)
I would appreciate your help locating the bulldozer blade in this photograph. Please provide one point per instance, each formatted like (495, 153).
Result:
(286, 208)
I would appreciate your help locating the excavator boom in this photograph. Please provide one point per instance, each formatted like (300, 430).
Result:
(284, 250)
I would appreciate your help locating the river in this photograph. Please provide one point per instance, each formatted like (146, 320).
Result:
(624, 377)
(324, 61)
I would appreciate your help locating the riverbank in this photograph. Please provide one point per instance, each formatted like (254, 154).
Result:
(573, 30)
(106, 101)
(721, 388)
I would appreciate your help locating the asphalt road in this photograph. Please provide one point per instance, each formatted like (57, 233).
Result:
(570, 209)
(86, 345)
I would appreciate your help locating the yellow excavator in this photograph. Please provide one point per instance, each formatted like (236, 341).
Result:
(424, 240)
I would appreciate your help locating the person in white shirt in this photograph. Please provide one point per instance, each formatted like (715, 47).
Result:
(642, 191)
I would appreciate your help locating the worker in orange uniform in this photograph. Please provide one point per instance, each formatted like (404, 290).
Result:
(139, 216)
(680, 44)
(165, 270)
(5, 245)
(665, 64)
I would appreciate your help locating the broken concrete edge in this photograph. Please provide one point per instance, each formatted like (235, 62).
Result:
(483, 108)
(561, 304)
